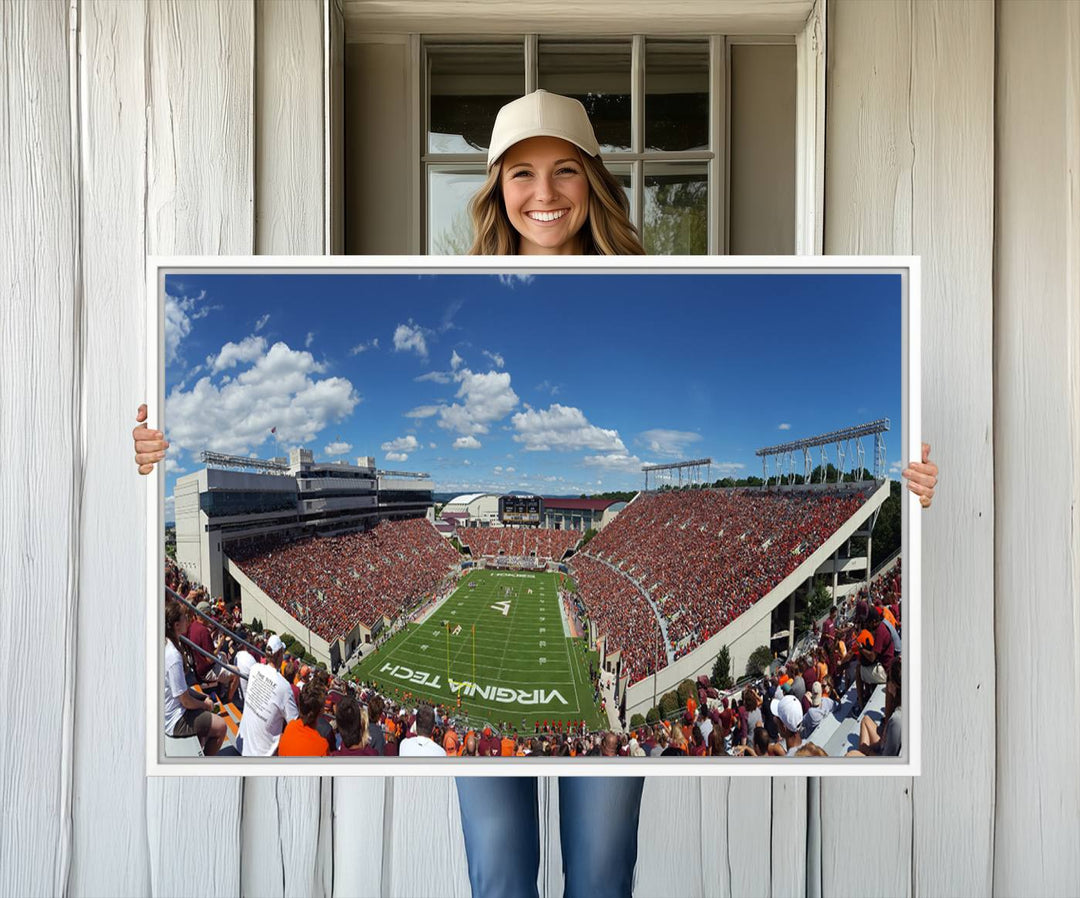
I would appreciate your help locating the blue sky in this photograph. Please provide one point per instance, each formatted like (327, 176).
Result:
(555, 384)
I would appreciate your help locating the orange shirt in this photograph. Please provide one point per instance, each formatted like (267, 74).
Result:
(506, 749)
(300, 740)
(888, 615)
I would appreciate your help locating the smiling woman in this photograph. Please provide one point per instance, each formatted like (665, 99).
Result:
(547, 190)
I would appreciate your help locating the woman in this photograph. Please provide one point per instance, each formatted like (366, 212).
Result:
(185, 714)
(547, 193)
(354, 729)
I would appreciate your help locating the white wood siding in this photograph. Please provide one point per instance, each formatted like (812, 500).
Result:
(953, 132)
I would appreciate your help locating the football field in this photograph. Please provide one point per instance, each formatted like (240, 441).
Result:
(501, 646)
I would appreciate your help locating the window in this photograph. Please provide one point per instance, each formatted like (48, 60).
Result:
(663, 110)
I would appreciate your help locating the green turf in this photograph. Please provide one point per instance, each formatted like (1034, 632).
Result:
(523, 651)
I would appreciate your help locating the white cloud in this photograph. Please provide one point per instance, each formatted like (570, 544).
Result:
(615, 461)
(667, 442)
(261, 323)
(456, 361)
(467, 443)
(401, 444)
(563, 427)
(173, 467)
(410, 337)
(498, 469)
(397, 456)
(486, 398)
(496, 359)
(337, 448)
(439, 377)
(247, 350)
(423, 411)
(170, 508)
(180, 311)
(512, 280)
(509, 470)
(726, 468)
(433, 445)
(309, 339)
(784, 426)
(373, 343)
(548, 387)
(278, 391)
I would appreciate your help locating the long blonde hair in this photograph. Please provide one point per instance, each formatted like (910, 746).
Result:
(608, 230)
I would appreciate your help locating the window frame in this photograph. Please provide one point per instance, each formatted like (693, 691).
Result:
(809, 110)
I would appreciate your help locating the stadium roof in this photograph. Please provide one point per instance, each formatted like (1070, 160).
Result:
(467, 498)
(579, 504)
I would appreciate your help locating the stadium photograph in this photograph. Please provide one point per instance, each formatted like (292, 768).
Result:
(557, 514)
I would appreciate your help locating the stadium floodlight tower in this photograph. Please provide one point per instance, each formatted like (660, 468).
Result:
(668, 473)
(241, 462)
(848, 442)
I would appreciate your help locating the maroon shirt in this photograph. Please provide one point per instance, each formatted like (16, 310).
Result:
(199, 633)
(883, 646)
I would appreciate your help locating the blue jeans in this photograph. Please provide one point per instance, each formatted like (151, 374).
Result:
(598, 822)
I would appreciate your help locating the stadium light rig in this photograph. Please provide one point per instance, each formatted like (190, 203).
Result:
(693, 467)
(845, 440)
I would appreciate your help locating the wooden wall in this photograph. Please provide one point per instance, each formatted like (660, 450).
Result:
(953, 132)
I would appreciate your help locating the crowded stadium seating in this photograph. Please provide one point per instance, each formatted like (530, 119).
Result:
(330, 584)
(706, 556)
(544, 543)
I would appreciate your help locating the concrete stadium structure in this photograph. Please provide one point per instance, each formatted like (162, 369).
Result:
(753, 627)
(235, 499)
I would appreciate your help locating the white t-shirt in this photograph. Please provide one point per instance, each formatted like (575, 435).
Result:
(420, 747)
(175, 686)
(268, 705)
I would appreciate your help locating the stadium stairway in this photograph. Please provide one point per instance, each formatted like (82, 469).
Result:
(845, 735)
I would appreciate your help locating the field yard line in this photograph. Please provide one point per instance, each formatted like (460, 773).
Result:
(509, 632)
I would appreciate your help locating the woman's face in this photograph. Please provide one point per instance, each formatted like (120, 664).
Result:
(546, 195)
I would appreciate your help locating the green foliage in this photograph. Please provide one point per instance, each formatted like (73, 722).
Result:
(676, 217)
(288, 639)
(456, 543)
(589, 534)
(721, 672)
(760, 658)
(653, 717)
(669, 704)
(256, 625)
(636, 720)
(687, 690)
(616, 495)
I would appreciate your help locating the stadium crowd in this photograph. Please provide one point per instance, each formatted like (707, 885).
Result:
(541, 542)
(289, 708)
(706, 556)
(622, 615)
(330, 584)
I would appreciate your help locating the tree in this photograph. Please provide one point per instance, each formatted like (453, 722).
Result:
(636, 720)
(653, 717)
(721, 672)
(589, 534)
(669, 704)
(760, 658)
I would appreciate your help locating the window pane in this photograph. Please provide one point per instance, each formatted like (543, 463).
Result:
(676, 209)
(467, 84)
(449, 192)
(676, 95)
(597, 74)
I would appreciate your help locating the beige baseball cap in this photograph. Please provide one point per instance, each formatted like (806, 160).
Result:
(541, 114)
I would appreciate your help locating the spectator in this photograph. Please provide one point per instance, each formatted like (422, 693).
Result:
(301, 738)
(789, 714)
(353, 729)
(820, 708)
(887, 739)
(185, 714)
(269, 705)
(421, 745)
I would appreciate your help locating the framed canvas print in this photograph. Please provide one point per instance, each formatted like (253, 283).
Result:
(507, 515)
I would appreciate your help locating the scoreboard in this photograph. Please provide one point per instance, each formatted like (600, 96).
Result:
(521, 509)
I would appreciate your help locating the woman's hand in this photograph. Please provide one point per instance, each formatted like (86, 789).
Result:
(150, 445)
(922, 477)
